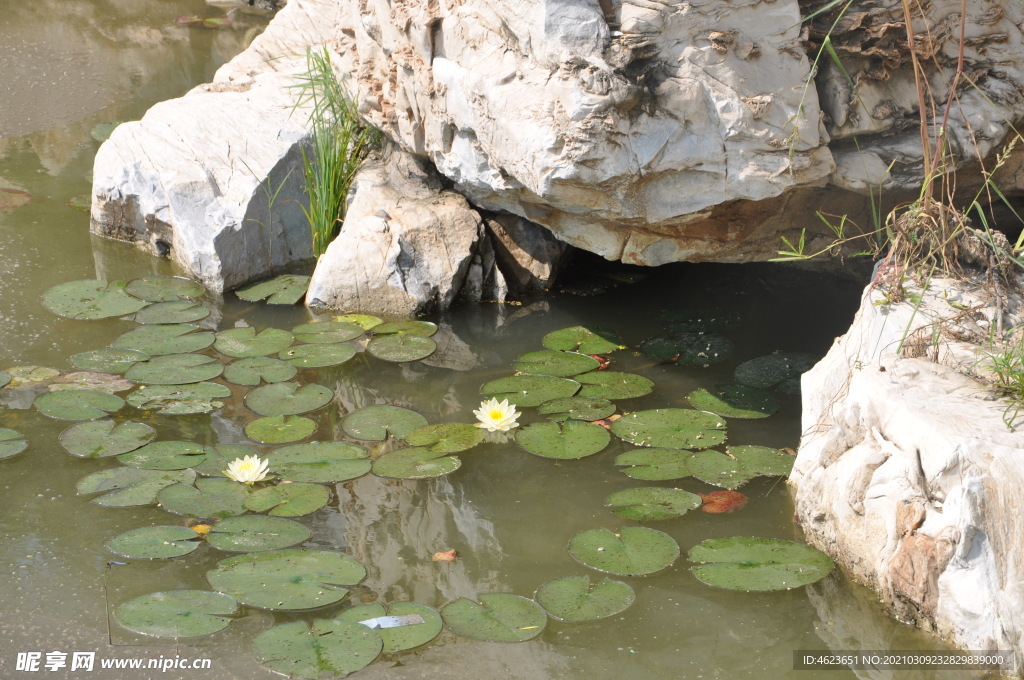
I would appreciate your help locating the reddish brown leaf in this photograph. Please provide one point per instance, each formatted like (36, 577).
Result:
(602, 361)
(606, 423)
(446, 556)
(722, 501)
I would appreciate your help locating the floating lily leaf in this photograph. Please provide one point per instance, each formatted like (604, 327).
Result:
(702, 320)
(399, 638)
(758, 564)
(734, 401)
(287, 579)
(245, 342)
(743, 464)
(175, 338)
(327, 332)
(375, 423)
(655, 464)
(567, 441)
(78, 404)
(651, 503)
(91, 299)
(447, 437)
(415, 463)
(672, 428)
(529, 390)
(179, 399)
(179, 311)
(614, 385)
(280, 429)
(289, 500)
(127, 486)
(423, 329)
(90, 380)
(256, 533)
(364, 321)
(102, 131)
(498, 617)
(218, 458)
(634, 551)
(689, 349)
(253, 370)
(154, 543)
(768, 371)
(555, 363)
(5, 378)
(13, 198)
(108, 360)
(164, 288)
(576, 408)
(718, 502)
(399, 347)
(12, 443)
(175, 369)
(578, 339)
(317, 356)
(104, 438)
(576, 599)
(283, 290)
(330, 646)
(177, 613)
(287, 399)
(327, 462)
(30, 375)
(210, 497)
(168, 455)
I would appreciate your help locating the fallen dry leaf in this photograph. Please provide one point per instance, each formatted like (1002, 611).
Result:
(718, 502)
(446, 556)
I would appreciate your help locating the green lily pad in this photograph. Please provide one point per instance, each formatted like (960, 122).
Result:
(327, 332)
(566, 441)
(280, 429)
(90, 380)
(287, 399)
(179, 311)
(175, 369)
(254, 370)
(399, 638)
(576, 599)
(634, 551)
(400, 347)
(78, 404)
(287, 579)
(326, 462)
(101, 132)
(415, 463)
(529, 390)
(210, 497)
(734, 401)
(91, 299)
(317, 356)
(157, 288)
(578, 339)
(651, 503)
(256, 533)
(757, 564)
(613, 385)
(242, 343)
(5, 378)
(497, 617)
(108, 360)
(30, 375)
(177, 613)
(423, 329)
(576, 408)
(218, 457)
(689, 349)
(12, 443)
(104, 438)
(166, 455)
(283, 290)
(375, 423)
(154, 543)
(702, 320)
(741, 465)
(330, 646)
(555, 363)
(289, 500)
(175, 338)
(364, 321)
(446, 437)
(179, 399)
(770, 370)
(127, 486)
(652, 465)
(671, 428)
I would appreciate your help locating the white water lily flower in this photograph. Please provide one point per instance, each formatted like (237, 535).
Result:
(248, 470)
(497, 417)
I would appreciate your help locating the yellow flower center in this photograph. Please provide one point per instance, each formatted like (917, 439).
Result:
(497, 415)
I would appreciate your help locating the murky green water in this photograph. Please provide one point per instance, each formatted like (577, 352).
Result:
(67, 65)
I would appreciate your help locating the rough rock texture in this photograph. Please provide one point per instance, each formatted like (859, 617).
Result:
(907, 474)
(528, 254)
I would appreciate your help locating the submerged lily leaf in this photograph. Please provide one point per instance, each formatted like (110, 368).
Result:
(108, 360)
(702, 320)
(652, 503)
(634, 551)
(177, 613)
(179, 311)
(166, 455)
(154, 543)
(653, 465)
(773, 369)
(179, 399)
(364, 321)
(256, 533)
(579, 339)
(757, 564)
(399, 638)
(283, 290)
(12, 443)
(5, 378)
(415, 463)
(101, 131)
(241, 343)
(423, 329)
(210, 497)
(175, 369)
(529, 390)
(175, 338)
(327, 332)
(718, 502)
(157, 288)
(613, 385)
(326, 462)
(400, 347)
(672, 428)
(287, 399)
(103, 438)
(741, 465)
(78, 404)
(734, 401)
(289, 500)
(253, 370)
(331, 646)
(375, 423)
(447, 437)
(555, 363)
(13, 198)
(566, 441)
(280, 429)
(498, 617)
(90, 380)
(576, 408)
(689, 349)
(576, 599)
(91, 299)
(127, 486)
(317, 356)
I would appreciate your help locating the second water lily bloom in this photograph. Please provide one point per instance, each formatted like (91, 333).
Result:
(495, 416)
(248, 470)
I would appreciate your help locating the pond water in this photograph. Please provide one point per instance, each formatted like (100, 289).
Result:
(69, 65)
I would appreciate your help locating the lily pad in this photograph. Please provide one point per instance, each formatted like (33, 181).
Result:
(12, 443)
(287, 579)
(400, 347)
(91, 299)
(555, 363)
(689, 349)
(175, 369)
(126, 486)
(289, 500)
(101, 132)
(157, 288)
(317, 356)
(375, 423)
(175, 338)
(179, 399)
(327, 332)
(576, 599)
(758, 564)
(210, 497)
(529, 390)
(447, 437)
(579, 339)
(741, 465)
(423, 329)
(653, 465)
(613, 385)
(78, 404)
(287, 399)
(576, 408)
(634, 551)
(327, 462)
(179, 311)
(332, 646)
(672, 428)
(497, 617)
(399, 638)
(651, 503)
(364, 321)
(702, 320)
(566, 441)
(30, 375)
(90, 380)
(415, 463)
(5, 378)
(734, 401)
(254, 370)
(154, 543)
(166, 455)
(283, 290)
(218, 457)
(280, 429)
(104, 438)
(770, 370)
(177, 613)
(256, 533)
(108, 360)
(241, 343)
